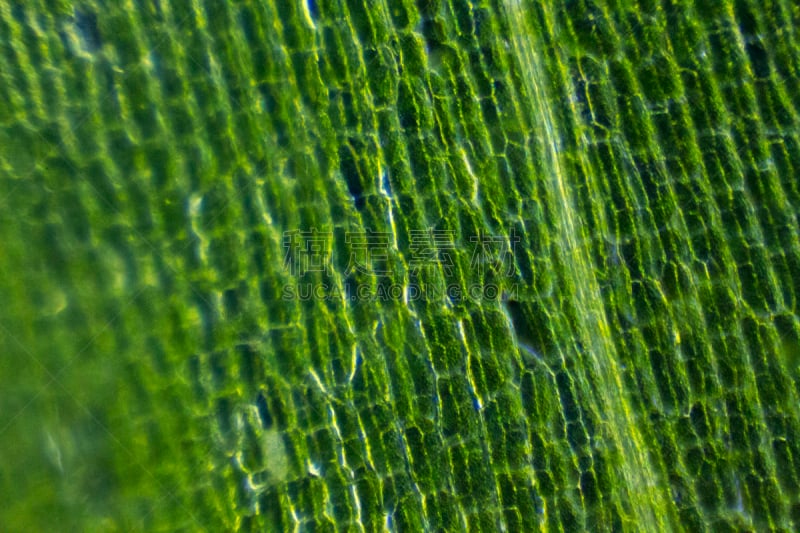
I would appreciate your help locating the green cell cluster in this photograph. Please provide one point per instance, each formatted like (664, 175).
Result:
(641, 371)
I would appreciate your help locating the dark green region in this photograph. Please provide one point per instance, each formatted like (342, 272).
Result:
(629, 168)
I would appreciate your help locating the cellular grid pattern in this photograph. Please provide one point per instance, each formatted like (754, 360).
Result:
(641, 373)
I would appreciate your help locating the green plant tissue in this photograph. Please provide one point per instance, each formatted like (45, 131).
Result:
(397, 265)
